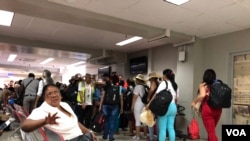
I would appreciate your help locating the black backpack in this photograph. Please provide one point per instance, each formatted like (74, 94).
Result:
(220, 95)
(112, 95)
(145, 96)
(127, 99)
(160, 103)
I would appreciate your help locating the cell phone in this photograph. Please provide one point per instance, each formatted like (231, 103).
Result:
(4, 125)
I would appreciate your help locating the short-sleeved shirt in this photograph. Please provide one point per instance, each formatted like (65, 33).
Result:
(40, 87)
(32, 88)
(139, 90)
(88, 94)
(67, 125)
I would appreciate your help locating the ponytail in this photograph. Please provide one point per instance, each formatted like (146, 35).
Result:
(171, 76)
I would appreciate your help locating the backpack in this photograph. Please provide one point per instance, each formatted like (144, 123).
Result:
(112, 95)
(220, 95)
(160, 103)
(127, 99)
(145, 96)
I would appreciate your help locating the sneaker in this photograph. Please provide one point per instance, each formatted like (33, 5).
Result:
(135, 138)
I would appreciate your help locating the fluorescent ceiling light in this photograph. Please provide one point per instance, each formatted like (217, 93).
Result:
(12, 57)
(75, 64)
(47, 61)
(177, 2)
(128, 41)
(6, 17)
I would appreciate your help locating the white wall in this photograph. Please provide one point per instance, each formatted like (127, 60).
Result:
(164, 57)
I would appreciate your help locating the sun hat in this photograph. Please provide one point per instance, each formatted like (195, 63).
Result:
(140, 77)
(147, 117)
(153, 75)
(100, 81)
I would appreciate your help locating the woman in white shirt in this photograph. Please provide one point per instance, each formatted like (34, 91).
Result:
(166, 122)
(55, 115)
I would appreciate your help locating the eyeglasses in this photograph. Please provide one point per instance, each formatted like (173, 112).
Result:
(50, 94)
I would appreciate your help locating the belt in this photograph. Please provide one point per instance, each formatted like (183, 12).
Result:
(29, 95)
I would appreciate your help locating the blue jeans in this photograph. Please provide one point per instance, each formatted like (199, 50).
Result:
(109, 113)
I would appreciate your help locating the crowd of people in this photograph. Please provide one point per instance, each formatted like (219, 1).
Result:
(51, 103)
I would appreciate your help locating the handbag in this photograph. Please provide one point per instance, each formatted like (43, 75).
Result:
(84, 137)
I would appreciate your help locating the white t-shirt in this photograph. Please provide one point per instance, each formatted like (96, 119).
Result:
(67, 125)
(88, 94)
(162, 86)
(40, 87)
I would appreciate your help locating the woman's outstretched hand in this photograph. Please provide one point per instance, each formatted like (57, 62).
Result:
(51, 119)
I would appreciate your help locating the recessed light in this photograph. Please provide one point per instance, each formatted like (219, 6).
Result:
(128, 41)
(6, 17)
(11, 57)
(47, 61)
(177, 2)
(75, 64)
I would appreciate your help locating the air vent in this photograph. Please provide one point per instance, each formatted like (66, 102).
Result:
(27, 59)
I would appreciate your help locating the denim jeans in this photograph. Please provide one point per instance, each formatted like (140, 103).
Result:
(109, 113)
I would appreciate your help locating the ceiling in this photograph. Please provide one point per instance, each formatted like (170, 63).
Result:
(87, 30)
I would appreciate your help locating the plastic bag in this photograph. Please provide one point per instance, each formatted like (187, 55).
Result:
(193, 129)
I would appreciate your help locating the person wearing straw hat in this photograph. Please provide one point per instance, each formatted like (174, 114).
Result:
(97, 95)
(137, 104)
(153, 80)
(166, 122)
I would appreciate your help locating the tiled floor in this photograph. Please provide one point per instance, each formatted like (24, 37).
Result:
(118, 137)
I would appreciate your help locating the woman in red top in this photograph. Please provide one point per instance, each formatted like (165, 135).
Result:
(210, 116)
